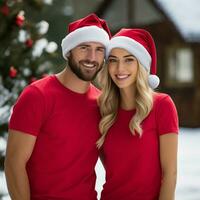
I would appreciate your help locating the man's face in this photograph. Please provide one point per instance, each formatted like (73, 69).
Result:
(86, 60)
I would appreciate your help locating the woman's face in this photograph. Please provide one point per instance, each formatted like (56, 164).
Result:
(123, 68)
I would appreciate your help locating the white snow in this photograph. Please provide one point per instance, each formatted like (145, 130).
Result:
(185, 14)
(43, 27)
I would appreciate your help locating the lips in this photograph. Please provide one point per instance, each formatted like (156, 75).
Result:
(122, 76)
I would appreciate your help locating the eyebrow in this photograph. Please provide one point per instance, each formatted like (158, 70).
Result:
(129, 55)
(87, 45)
(83, 45)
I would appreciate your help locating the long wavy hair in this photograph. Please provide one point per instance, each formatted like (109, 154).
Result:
(109, 102)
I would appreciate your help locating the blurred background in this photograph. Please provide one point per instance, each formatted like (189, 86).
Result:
(30, 36)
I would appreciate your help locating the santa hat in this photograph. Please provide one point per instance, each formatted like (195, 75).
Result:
(88, 29)
(140, 43)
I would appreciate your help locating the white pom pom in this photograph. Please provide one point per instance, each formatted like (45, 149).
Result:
(153, 81)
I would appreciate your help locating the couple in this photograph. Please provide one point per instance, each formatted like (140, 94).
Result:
(62, 123)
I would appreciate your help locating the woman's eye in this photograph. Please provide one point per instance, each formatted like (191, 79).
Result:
(129, 60)
(111, 60)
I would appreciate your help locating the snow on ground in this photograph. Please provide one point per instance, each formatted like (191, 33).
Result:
(188, 184)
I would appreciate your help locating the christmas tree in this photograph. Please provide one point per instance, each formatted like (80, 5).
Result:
(25, 53)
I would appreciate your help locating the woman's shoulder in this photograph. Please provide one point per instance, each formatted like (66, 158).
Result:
(160, 98)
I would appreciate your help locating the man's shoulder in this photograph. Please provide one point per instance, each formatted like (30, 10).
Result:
(38, 87)
(43, 82)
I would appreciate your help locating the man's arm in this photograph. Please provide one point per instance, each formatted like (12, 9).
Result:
(168, 159)
(19, 148)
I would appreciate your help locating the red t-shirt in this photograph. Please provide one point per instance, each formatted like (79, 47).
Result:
(65, 123)
(132, 164)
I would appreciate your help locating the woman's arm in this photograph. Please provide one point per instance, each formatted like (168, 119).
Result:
(168, 159)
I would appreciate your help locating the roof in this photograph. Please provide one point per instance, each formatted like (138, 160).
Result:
(185, 15)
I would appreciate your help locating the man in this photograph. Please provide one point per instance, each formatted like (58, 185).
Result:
(51, 151)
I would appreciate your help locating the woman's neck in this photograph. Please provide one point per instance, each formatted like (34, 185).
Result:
(127, 98)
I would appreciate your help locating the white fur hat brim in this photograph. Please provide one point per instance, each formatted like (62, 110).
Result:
(84, 34)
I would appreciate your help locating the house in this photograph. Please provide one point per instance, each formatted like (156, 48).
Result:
(175, 27)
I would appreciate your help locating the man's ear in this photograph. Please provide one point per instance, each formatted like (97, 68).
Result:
(68, 54)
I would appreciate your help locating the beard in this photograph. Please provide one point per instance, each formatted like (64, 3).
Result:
(82, 72)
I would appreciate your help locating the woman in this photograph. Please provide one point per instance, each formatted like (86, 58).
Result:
(139, 127)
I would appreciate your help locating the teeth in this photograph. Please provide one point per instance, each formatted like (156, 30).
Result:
(122, 76)
(88, 65)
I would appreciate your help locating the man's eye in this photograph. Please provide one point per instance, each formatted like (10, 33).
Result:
(101, 50)
(83, 47)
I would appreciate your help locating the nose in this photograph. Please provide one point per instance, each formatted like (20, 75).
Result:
(120, 67)
(91, 55)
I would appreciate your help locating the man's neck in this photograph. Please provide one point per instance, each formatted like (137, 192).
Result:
(69, 80)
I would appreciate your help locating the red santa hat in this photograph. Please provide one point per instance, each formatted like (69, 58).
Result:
(87, 29)
(140, 43)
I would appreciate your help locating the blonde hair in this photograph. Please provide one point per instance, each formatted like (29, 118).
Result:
(110, 98)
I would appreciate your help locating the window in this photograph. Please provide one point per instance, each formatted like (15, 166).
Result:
(180, 68)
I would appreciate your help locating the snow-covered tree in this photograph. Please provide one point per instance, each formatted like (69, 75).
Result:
(25, 53)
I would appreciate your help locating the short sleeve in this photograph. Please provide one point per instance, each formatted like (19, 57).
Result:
(166, 116)
(28, 112)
